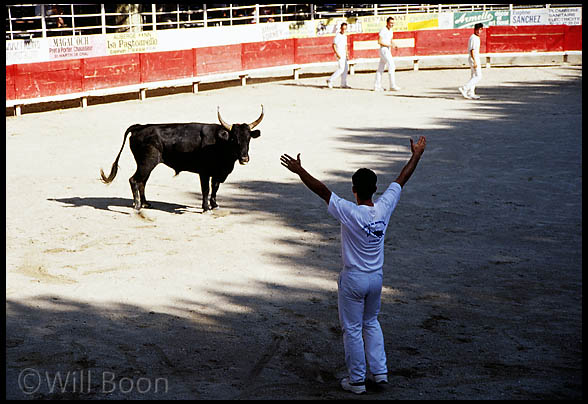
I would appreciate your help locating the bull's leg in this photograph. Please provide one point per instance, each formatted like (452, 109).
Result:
(144, 203)
(135, 191)
(215, 185)
(139, 179)
(205, 187)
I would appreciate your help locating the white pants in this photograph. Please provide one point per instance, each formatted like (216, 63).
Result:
(476, 76)
(385, 59)
(359, 304)
(341, 71)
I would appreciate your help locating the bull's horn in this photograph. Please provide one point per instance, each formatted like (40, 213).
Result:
(257, 122)
(225, 125)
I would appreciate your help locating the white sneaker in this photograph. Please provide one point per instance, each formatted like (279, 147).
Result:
(395, 88)
(357, 388)
(329, 84)
(474, 96)
(463, 92)
(345, 86)
(379, 379)
(378, 89)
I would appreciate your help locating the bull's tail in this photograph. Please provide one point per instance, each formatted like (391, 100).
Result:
(114, 168)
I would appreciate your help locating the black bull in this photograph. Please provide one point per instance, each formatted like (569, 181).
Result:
(210, 150)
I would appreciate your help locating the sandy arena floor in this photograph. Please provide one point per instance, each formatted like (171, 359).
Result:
(483, 281)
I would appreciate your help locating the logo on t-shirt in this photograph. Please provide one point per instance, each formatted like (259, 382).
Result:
(375, 231)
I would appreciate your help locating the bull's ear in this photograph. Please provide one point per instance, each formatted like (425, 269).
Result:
(255, 134)
(223, 134)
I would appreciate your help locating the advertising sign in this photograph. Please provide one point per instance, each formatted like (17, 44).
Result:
(565, 16)
(75, 47)
(130, 42)
(530, 17)
(19, 51)
(471, 18)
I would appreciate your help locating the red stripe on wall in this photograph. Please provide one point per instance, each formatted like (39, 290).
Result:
(49, 78)
(266, 54)
(171, 65)
(541, 38)
(311, 50)
(573, 38)
(10, 82)
(217, 59)
(111, 71)
(375, 53)
(446, 42)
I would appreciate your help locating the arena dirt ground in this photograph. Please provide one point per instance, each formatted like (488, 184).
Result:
(482, 288)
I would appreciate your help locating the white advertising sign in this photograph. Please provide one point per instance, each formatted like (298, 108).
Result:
(565, 16)
(530, 17)
(20, 51)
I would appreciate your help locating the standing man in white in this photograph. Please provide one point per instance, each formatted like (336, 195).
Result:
(468, 91)
(359, 289)
(340, 49)
(385, 42)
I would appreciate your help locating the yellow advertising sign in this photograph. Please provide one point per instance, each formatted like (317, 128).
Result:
(131, 42)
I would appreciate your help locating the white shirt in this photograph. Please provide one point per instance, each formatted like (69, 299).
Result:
(386, 36)
(474, 44)
(340, 42)
(363, 229)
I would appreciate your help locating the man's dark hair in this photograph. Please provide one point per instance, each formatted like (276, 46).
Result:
(364, 183)
(343, 23)
(389, 18)
(479, 25)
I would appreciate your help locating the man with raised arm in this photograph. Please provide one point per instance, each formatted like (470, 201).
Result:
(363, 226)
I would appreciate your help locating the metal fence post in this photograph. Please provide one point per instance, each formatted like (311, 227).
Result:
(43, 22)
(103, 18)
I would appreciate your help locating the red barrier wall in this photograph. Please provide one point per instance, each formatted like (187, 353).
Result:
(256, 55)
(35, 80)
(217, 59)
(375, 53)
(111, 71)
(545, 38)
(10, 83)
(311, 50)
(573, 38)
(159, 66)
(446, 41)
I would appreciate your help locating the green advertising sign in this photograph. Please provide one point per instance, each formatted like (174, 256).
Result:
(469, 19)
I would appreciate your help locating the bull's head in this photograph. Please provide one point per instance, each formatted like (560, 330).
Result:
(240, 134)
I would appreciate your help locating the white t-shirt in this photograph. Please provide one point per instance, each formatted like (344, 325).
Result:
(386, 35)
(340, 42)
(474, 44)
(363, 229)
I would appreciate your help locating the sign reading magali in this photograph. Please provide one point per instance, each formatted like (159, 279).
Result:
(469, 19)
(131, 42)
(73, 47)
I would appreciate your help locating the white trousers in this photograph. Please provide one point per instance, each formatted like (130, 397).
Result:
(476, 76)
(385, 59)
(342, 70)
(359, 304)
